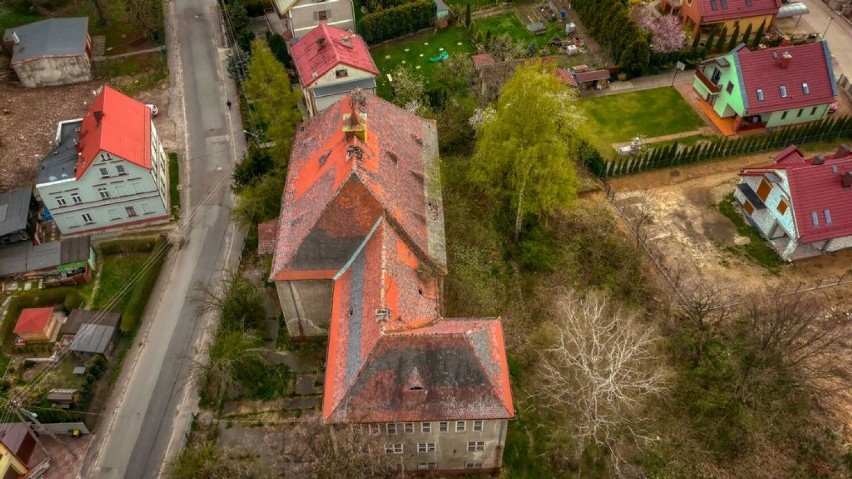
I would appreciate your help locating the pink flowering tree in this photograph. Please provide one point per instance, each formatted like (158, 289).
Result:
(667, 33)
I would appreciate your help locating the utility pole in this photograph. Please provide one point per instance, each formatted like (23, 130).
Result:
(32, 417)
(830, 19)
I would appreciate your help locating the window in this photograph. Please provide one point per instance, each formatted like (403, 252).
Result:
(75, 197)
(322, 15)
(714, 5)
(813, 111)
(60, 201)
(113, 214)
(341, 73)
(460, 426)
(72, 222)
(473, 465)
(730, 87)
(799, 113)
(475, 446)
(782, 207)
(374, 429)
(443, 426)
(748, 3)
(759, 94)
(394, 449)
(748, 207)
(764, 189)
(121, 190)
(391, 428)
(805, 89)
(408, 427)
(137, 186)
(815, 218)
(87, 219)
(131, 211)
(426, 466)
(827, 215)
(146, 208)
(783, 91)
(103, 192)
(477, 426)
(425, 447)
(784, 115)
(425, 427)
(104, 172)
(120, 169)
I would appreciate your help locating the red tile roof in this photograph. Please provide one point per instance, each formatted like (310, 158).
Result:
(567, 77)
(324, 48)
(731, 9)
(815, 188)
(266, 234)
(124, 130)
(338, 185)
(761, 69)
(33, 320)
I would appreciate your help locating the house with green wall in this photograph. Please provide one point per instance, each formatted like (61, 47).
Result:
(769, 87)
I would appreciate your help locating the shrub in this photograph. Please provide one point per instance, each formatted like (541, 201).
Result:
(609, 21)
(256, 164)
(135, 305)
(398, 21)
(278, 46)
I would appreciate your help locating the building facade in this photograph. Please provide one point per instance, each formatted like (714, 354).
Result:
(56, 51)
(302, 16)
(704, 16)
(108, 173)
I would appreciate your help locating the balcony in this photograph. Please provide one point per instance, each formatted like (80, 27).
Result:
(714, 88)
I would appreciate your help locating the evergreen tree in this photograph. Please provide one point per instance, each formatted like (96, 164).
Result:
(734, 36)
(723, 37)
(708, 45)
(758, 37)
(635, 58)
(696, 42)
(467, 16)
(747, 33)
(239, 17)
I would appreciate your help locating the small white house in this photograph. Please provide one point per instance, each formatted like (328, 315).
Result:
(109, 170)
(302, 16)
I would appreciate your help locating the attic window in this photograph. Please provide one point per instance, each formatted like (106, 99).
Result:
(759, 94)
(748, 3)
(827, 215)
(783, 91)
(714, 5)
(815, 218)
(341, 73)
(382, 315)
(806, 89)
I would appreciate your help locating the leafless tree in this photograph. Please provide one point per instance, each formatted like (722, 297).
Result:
(599, 370)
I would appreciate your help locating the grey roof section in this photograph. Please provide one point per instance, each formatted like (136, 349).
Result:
(79, 317)
(791, 10)
(22, 258)
(14, 210)
(49, 38)
(93, 338)
(442, 7)
(345, 87)
(61, 163)
(68, 128)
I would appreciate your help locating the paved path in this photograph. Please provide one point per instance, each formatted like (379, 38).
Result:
(128, 54)
(643, 83)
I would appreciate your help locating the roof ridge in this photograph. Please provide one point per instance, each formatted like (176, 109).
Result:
(494, 389)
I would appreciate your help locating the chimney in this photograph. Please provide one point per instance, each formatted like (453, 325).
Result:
(785, 59)
(99, 114)
(354, 121)
(846, 179)
(818, 160)
(346, 40)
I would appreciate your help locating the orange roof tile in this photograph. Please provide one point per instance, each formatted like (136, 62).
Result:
(33, 320)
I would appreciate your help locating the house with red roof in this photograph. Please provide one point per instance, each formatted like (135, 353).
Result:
(769, 87)
(36, 325)
(108, 171)
(705, 16)
(802, 206)
(300, 17)
(331, 63)
(360, 257)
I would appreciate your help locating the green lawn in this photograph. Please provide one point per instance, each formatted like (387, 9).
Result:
(509, 23)
(174, 183)
(116, 272)
(758, 250)
(649, 113)
(10, 18)
(453, 39)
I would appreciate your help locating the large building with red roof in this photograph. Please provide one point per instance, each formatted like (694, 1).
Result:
(704, 16)
(331, 63)
(109, 169)
(360, 256)
(769, 87)
(802, 206)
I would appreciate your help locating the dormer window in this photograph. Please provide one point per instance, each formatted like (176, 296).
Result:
(341, 73)
(759, 94)
(805, 89)
(827, 215)
(783, 91)
(748, 3)
(814, 218)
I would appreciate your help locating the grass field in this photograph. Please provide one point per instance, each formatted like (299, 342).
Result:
(649, 113)
(10, 18)
(508, 23)
(116, 273)
(454, 40)
(174, 183)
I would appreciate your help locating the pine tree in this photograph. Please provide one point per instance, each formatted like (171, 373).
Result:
(734, 36)
(696, 42)
(758, 37)
(720, 43)
(709, 43)
(747, 33)
(467, 16)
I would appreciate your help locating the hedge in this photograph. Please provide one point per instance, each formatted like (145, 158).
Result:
(135, 306)
(398, 21)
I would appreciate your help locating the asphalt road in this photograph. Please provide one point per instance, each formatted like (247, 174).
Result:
(134, 439)
(839, 33)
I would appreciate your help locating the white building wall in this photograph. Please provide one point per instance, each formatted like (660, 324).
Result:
(767, 218)
(305, 15)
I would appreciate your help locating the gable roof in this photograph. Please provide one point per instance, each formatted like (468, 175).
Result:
(815, 188)
(324, 48)
(718, 10)
(79, 317)
(761, 69)
(392, 357)
(338, 185)
(33, 320)
(15, 209)
(124, 130)
(53, 37)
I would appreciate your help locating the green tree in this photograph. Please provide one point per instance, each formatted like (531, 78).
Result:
(239, 17)
(734, 37)
(758, 37)
(274, 101)
(696, 42)
(708, 45)
(467, 16)
(525, 149)
(260, 201)
(635, 58)
(409, 88)
(747, 34)
(723, 37)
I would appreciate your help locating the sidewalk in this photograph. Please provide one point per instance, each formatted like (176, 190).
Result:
(644, 83)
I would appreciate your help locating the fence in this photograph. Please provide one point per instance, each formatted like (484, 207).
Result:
(829, 129)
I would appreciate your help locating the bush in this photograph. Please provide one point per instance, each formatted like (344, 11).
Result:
(278, 46)
(135, 305)
(125, 246)
(255, 165)
(609, 21)
(398, 21)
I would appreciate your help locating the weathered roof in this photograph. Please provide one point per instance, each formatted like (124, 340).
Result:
(594, 75)
(79, 317)
(62, 395)
(25, 257)
(93, 338)
(16, 437)
(324, 48)
(815, 189)
(124, 130)
(33, 320)
(761, 69)
(718, 10)
(566, 77)
(481, 60)
(53, 37)
(338, 185)
(391, 355)
(61, 163)
(368, 83)
(15, 209)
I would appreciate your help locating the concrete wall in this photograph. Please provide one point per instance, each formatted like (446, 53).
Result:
(51, 71)
(306, 306)
(839, 243)
(304, 16)
(796, 115)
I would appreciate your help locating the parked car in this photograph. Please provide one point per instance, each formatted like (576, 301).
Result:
(154, 110)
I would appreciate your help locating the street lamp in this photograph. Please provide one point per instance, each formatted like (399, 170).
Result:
(830, 19)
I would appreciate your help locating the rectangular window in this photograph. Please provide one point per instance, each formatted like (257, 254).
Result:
(460, 426)
(805, 89)
(72, 222)
(87, 219)
(475, 446)
(104, 193)
(782, 206)
(104, 172)
(813, 111)
(799, 114)
(783, 91)
(146, 208)
(784, 115)
(815, 218)
(425, 447)
(75, 197)
(444, 426)
(394, 449)
(391, 427)
(408, 427)
(759, 94)
(764, 189)
(827, 215)
(374, 429)
(477, 426)
(322, 15)
(473, 465)
(60, 201)
(113, 214)
(748, 207)
(120, 169)
(730, 87)
(131, 211)
(425, 427)
(137, 186)
(341, 73)
(426, 466)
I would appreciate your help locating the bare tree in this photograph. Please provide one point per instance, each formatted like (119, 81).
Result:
(640, 214)
(599, 369)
